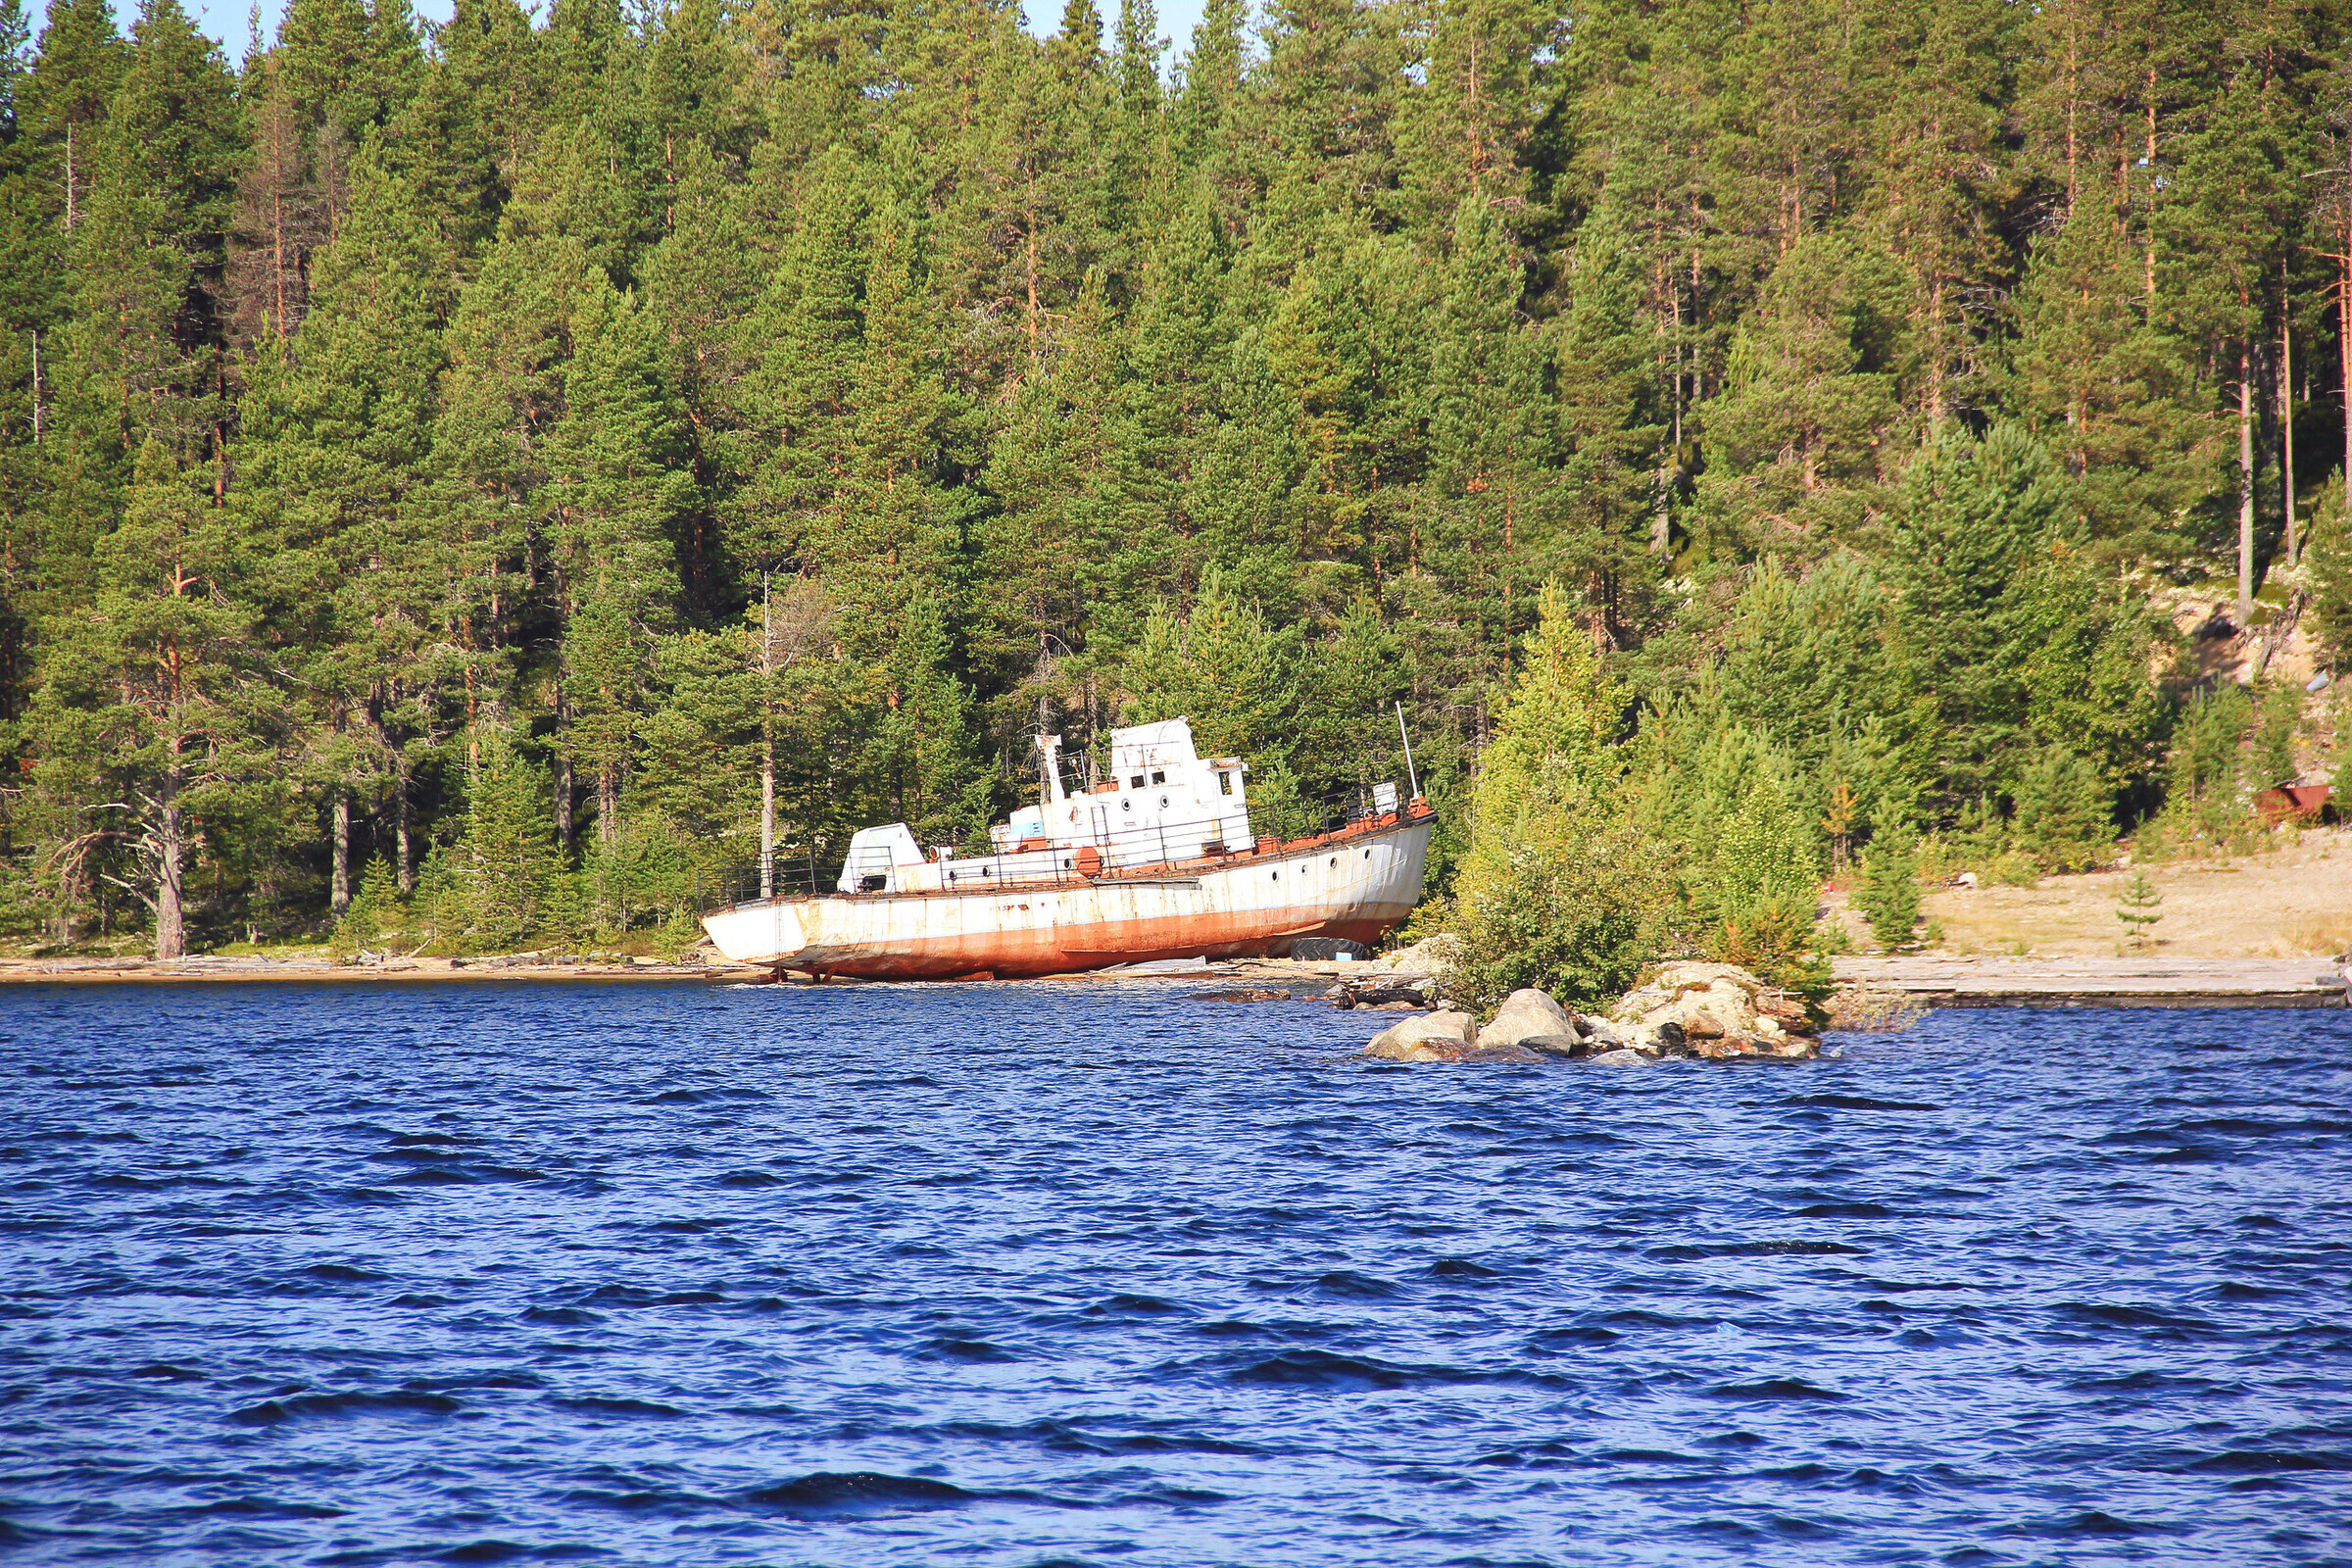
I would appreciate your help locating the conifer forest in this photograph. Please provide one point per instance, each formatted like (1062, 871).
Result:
(482, 467)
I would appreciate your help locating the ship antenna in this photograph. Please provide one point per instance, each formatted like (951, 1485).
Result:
(1412, 777)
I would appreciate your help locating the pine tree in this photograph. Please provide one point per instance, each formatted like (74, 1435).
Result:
(2064, 812)
(796, 403)
(887, 538)
(79, 60)
(159, 709)
(1814, 394)
(336, 431)
(616, 492)
(1890, 896)
(2138, 906)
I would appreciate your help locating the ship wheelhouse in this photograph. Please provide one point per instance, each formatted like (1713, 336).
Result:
(1163, 804)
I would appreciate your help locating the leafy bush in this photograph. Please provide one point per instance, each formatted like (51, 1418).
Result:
(1577, 917)
(1749, 835)
(1778, 942)
(2012, 868)
(1889, 897)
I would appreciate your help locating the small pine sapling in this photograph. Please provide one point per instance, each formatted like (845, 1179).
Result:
(2137, 906)
(1889, 896)
(2275, 737)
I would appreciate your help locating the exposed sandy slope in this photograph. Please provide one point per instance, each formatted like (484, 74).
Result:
(2295, 900)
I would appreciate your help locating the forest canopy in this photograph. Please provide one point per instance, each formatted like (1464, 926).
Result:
(484, 451)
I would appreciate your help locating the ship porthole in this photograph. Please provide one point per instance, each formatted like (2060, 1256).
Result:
(1163, 802)
(1367, 854)
(1335, 859)
(1275, 876)
(1127, 805)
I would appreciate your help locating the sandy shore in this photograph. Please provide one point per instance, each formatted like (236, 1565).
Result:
(2293, 901)
(118, 972)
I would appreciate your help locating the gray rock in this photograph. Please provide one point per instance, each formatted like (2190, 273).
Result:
(1525, 1014)
(1621, 1059)
(1454, 1029)
(1518, 1053)
(1384, 1049)
(1562, 1047)
(1602, 1035)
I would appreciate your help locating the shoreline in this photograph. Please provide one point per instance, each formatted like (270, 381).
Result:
(2150, 981)
(401, 971)
(2145, 981)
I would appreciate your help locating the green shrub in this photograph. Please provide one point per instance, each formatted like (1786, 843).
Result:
(565, 921)
(2329, 554)
(1577, 918)
(1889, 896)
(364, 921)
(2275, 737)
(2204, 781)
(2065, 818)
(2013, 868)
(1779, 943)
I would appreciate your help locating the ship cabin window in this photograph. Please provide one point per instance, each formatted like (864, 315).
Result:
(1136, 783)
(1224, 783)
(1159, 778)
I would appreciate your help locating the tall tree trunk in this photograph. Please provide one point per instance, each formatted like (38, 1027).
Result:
(562, 772)
(2245, 485)
(2149, 310)
(2286, 426)
(338, 897)
(406, 851)
(767, 742)
(171, 865)
(2343, 336)
(608, 804)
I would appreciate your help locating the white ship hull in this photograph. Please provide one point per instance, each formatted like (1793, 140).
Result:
(1356, 883)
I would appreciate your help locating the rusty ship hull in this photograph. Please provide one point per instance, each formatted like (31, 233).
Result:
(1356, 883)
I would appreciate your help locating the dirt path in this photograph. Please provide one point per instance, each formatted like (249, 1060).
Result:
(2296, 900)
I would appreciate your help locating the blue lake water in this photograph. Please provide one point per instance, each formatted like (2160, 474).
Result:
(1097, 1273)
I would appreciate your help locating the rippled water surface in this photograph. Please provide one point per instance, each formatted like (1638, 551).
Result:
(1098, 1273)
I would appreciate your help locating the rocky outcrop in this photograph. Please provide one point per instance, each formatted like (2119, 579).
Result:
(1714, 1012)
(1687, 1011)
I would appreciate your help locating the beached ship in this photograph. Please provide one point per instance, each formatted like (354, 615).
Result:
(1156, 861)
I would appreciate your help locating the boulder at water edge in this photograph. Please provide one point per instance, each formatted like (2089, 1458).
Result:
(1525, 1016)
(1427, 1037)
